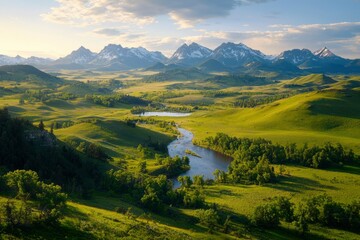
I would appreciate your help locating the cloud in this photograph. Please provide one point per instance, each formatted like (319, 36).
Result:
(185, 13)
(108, 32)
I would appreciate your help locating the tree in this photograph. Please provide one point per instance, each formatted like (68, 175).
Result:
(194, 198)
(199, 180)
(49, 199)
(142, 167)
(151, 200)
(301, 221)
(24, 183)
(266, 215)
(208, 218)
(41, 125)
(51, 202)
(220, 176)
(185, 181)
(285, 208)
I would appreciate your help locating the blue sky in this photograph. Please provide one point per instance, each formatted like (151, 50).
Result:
(52, 28)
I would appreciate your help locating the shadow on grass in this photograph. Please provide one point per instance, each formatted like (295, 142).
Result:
(171, 217)
(47, 232)
(73, 212)
(352, 169)
(299, 184)
(282, 233)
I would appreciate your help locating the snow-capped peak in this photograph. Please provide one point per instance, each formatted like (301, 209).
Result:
(324, 53)
(235, 55)
(193, 50)
(80, 56)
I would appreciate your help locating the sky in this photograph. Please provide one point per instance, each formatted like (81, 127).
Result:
(54, 28)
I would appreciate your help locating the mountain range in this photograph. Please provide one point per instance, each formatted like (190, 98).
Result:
(228, 56)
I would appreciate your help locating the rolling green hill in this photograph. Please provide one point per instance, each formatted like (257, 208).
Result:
(114, 136)
(315, 117)
(27, 73)
(311, 80)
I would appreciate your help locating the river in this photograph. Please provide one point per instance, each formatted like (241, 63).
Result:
(205, 164)
(163, 114)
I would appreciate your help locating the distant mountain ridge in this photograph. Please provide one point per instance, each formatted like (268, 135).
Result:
(190, 54)
(228, 56)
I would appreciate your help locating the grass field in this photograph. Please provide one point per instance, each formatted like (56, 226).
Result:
(312, 118)
(328, 112)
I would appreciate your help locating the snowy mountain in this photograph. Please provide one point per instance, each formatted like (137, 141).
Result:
(192, 54)
(297, 56)
(80, 56)
(126, 58)
(37, 61)
(6, 60)
(227, 57)
(324, 53)
(236, 55)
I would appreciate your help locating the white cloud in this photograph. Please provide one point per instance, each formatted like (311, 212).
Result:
(108, 31)
(185, 13)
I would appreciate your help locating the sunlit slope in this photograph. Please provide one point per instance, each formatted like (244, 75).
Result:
(312, 80)
(314, 117)
(114, 136)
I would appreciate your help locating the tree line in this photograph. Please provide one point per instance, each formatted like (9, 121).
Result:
(320, 209)
(252, 157)
(111, 100)
(256, 101)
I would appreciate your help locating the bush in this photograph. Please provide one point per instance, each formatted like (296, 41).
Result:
(23, 182)
(194, 199)
(208, 218)
(266, 215)
(48, 197)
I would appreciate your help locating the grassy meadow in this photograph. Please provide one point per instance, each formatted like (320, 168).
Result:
(314, 109)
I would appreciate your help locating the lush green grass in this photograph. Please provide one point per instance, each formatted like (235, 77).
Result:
(311, 80)
(117, 139)
(301, 182)
(313, 118)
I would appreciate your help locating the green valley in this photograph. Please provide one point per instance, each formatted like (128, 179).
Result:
(80, 137)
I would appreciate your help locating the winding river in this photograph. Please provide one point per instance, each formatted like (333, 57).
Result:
(205, 164)
(206, 161)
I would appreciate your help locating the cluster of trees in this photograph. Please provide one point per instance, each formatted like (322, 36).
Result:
(320, 209)
(44, 95)
(111, 100)
(36, 96)
(153, 193)
(242, 149)
(58, 163)
(166, 125)
(91, 150)
(219, 94)
(173, 166)
(256, 101)
(39, 202)
(151, 147)
(257, 171)
(62, 124)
